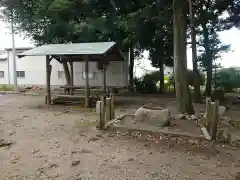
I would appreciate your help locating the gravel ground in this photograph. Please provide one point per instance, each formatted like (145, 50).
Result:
(63, 145)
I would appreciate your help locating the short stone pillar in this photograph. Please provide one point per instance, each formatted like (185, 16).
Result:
(98, 106)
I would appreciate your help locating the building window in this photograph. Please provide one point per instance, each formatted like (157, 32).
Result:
(1, 74)
(21, 74)
(61, 74)
(90, 75)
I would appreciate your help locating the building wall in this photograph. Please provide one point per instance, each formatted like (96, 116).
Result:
(168, 70)
(35, 72)
(116, 74)
(4, 67)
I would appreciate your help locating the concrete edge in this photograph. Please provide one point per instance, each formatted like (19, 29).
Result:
(155, 133)
(10, 92)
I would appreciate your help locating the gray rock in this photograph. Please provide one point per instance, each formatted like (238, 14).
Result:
(234, 139)
(228, 135)
(159, 117)
(223, 135)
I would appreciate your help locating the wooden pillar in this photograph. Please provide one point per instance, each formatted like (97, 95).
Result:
(71, 66)
(209, 111)
(112, 106)
(48, 79)
(108, 109)
(104, 78)
(87, 90)
(102, 112)
(72, 76)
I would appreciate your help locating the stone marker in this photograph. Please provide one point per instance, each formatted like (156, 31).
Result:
(98, 107)
(159, 117)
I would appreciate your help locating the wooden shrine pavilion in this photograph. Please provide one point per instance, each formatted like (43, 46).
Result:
(100, 52)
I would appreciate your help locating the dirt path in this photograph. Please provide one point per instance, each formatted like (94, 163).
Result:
(57, 145)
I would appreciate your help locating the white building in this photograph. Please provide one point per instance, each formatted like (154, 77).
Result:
(168, 70)
(31, 70)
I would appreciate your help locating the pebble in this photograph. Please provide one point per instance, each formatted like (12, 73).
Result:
(111, 135)
(75, 163)
(15, 159)
(11, 133)
(130, 159)
(191, 141)
(52, 165)
(34, 151)
(93, 139)
(24, 116)
(4, 143)
(84, 151)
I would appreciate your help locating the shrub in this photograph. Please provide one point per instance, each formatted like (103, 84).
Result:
(190, 76)
(6, 87)
(227, 79)
(147, 83)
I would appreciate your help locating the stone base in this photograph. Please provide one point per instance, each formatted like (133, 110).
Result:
(158, 117)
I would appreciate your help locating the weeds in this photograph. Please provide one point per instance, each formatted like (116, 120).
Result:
(6, 87)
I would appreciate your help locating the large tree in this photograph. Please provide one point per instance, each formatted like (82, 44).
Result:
(209, 21)
(180, 58)
(155, 22)
(197, 92)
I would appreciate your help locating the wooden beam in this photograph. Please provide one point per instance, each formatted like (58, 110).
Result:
(71, 69)
(104, 78)
(48, 79)
(57, 58)
(51, 58)
(102, 112)
(93, 58)
(72, 76)
(108, 109)
(87, 89)
(112, 106)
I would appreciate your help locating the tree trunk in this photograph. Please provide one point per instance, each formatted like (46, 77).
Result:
(67, 73)
(131, 66)
(161, 71)
(209, 62)
(197, 91)
(183, 96)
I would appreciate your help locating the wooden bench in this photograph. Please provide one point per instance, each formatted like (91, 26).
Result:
(74, 97)
(70, 89)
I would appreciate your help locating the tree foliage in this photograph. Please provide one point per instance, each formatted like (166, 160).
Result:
(227, 79)
(209, 21)
(147, 83)
(190, 78)
(138, 24)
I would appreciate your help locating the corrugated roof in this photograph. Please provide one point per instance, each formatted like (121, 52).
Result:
(19, 48)
(96, 48)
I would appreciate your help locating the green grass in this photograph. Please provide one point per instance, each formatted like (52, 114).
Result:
(5, 87)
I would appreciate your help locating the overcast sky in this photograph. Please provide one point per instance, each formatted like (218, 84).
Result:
(229, 59)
